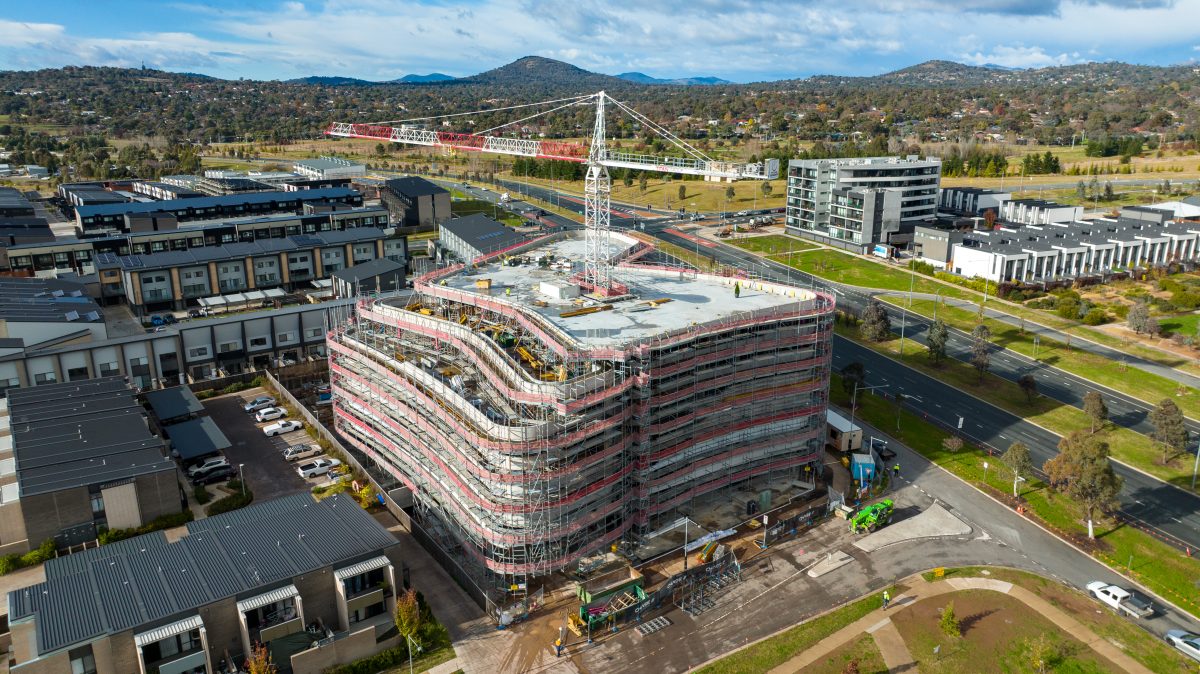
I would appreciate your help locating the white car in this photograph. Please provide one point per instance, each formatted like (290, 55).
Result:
(281, 427)
(1120, 599)
(207, 466)
(317, 468)
(270, 414)
(259, 403)
(1184, 642)
(297, 452)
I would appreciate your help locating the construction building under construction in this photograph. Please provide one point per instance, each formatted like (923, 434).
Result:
(536, 426)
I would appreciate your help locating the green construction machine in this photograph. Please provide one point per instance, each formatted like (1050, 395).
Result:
(872, 517)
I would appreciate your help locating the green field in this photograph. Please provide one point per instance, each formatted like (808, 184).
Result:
(1187, 324)
(1118, 376)
(852, 270)
(771, 244)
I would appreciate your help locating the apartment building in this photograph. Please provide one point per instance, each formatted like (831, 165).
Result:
(114, 216)
(973, 200)
(78, 456)
(329, 167)
(811, 184)
(1073, 249)
(415, 202)
(862, 216)
(531, 430)
(1038, 212)
(313, 581)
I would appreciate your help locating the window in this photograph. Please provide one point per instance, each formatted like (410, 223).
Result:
(313, 332)
(82, 660)
(97, 505)
(108, 369)
(198, 352)
(44, 378)
(258, 341)
(285, 336)
(226, 347)
(134, 362)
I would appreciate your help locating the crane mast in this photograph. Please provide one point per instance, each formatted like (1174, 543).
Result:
(597, 272)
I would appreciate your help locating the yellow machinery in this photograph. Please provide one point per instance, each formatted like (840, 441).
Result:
(483, 283)
(585, 311)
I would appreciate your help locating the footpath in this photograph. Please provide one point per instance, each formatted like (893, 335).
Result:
(896, 654)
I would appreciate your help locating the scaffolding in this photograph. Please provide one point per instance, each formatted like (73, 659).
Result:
(527, 449)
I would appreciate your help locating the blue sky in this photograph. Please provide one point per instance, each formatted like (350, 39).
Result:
(739, 40)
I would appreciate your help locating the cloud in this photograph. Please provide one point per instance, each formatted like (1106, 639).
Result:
(742, 40)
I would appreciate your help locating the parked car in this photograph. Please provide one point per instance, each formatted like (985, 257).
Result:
(169, 319)
(219, 474)
(316, 468)
(207, 466)
(1120, 599)
(261, 402)
(157, 321)
(742, 214)
(1184, 642)
(270, 414)
(281, 427)
(303, 451)
(881, 448)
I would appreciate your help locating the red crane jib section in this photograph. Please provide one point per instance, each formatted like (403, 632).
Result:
(464, 141)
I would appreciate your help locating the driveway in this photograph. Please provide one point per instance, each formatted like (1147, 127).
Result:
(266, 472)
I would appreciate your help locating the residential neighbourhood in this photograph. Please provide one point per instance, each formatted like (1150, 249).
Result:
(536, 368)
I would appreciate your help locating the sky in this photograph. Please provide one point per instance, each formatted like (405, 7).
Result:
(738, 40)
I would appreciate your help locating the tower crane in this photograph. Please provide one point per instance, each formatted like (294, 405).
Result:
(597, 273)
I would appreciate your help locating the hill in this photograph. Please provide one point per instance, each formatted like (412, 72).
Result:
(330, 81)
(423, 79)
(642, 78)
(545, 73)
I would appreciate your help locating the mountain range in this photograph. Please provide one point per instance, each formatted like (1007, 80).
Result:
(514, 73)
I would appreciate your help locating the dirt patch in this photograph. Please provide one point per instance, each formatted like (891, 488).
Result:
(995, 628)
(863, 650)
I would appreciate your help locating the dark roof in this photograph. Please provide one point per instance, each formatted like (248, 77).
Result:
(12, 198)
(413, 186)
(377, 267)
(75, 434)
(46, 301)
(210, 202)
(482, 233)
(172, 403)
(195, 438)
(239, 250)
(240, 554)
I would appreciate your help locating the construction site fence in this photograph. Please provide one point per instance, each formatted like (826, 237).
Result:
(445, 560)
(695, 575)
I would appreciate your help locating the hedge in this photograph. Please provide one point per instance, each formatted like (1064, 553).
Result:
(10, 563)
(165, 522)
(232, 502)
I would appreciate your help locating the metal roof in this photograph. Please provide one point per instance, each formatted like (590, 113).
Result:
(412, 186)
(75, 434)
(197, 203)
(46, 301)
(482, 233)
(365, 270)
(174, 402)
(238, 554)
(195, 438)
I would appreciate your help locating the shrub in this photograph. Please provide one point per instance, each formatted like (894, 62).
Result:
(41, 553)
(1067, 307)
(1186, 301)
(949, 622)
(229, 503)
(1095, 316)
(201, 494)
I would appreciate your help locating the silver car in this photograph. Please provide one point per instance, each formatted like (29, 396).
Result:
(1185, 642)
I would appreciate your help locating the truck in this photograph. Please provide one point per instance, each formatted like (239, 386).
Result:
(1120, 599)
(872, 517)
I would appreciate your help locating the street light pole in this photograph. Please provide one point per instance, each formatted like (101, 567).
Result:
(242, 478)
(854, 399)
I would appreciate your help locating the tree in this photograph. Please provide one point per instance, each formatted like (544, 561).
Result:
(729, 193)
(1108, 192)
(989, 217)
(1094, 407)
(1018, 461)
(851, 664)
(408, 617)
(981, 357)
(767, 189)
(682, 192)
(952, 444)
(1138, 317)
(949, 621)
(259, 660)
(876, 325)
(627, 180)
(1029, 386)
(1082, 471)
(1042, 652)
(854, 375)
(642, 182)
(936, 341)
(1169, 429)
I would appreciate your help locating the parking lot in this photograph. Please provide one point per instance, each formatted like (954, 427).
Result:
(266, 472)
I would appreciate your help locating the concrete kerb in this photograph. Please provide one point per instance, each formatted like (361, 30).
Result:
(1051, 532)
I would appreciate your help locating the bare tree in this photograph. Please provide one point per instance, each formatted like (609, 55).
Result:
(1029, 386)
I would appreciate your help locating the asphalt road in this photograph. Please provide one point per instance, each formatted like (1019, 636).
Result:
(1165, 510)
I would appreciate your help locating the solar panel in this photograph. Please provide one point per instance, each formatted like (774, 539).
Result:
(131, 261)
(307, 241)
(106, 258)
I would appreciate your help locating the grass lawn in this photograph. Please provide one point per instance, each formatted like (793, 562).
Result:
(698, 194)
(424, 663)
(1132, 381)
(1135, 642)
(771, 244)
(863, 651)
(1160, 567)
(844, 268)
(1186, 324)
(1127, 446)
(996, 629)
(776, 650)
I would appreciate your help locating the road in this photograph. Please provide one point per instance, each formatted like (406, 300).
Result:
(1171, 513)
